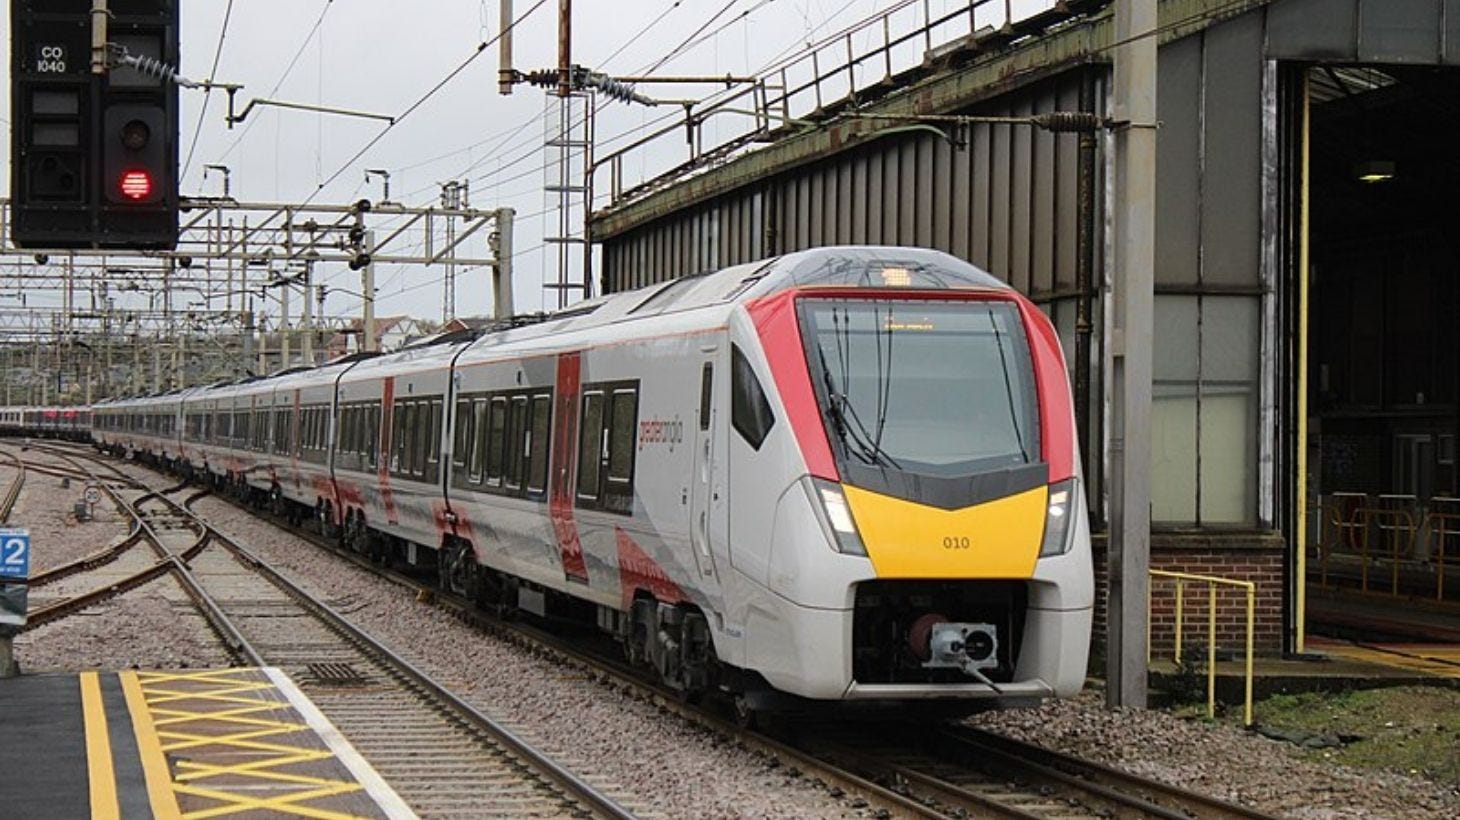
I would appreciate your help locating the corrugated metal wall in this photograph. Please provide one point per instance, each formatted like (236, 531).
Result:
(1007, 198)
(1004, 197)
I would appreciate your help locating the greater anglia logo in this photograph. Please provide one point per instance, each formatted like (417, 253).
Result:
(661, 431)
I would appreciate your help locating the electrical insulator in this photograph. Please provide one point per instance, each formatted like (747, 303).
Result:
(1062, 122)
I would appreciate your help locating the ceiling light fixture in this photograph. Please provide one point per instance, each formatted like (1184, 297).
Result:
(1374, 170)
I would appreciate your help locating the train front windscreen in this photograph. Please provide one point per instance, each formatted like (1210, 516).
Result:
(934, 388)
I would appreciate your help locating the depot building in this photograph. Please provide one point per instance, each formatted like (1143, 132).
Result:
(1306, 358)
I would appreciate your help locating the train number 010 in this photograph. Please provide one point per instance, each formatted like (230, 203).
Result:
(956, 542)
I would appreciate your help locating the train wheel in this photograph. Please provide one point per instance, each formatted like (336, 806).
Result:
(746, 716)
(327, 526)
(457, 570)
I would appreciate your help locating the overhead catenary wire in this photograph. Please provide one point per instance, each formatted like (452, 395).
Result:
(293, 61)
(503, 136)
(413, 107)
(208, 90)
(776, 61)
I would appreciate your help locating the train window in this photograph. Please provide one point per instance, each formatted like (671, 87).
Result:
(407, 426)
(496, 431)
(461, 438)
(590, 441)
(623, 418)
(419, 441)
(397, 437)
(516, 442)
(433, 444)
(478, 440)
(372, 438)
(538, 443)
(750, 413)
(707, 384)
(428, 447)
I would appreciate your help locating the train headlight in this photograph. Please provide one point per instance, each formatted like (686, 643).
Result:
(830, 504)
(1059, 518)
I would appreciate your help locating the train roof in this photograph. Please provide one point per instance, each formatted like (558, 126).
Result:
(869, 267)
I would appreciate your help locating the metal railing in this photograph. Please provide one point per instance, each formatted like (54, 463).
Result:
(1212, 582)
(1443, 524)
(1396, 529)
(858, 60)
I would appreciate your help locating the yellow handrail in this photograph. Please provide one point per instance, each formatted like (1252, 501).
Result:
(1212, 583)
(1442, 525)
(1396, 528)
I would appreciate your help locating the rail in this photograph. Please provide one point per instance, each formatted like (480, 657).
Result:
(12, 493)
(1212, 582)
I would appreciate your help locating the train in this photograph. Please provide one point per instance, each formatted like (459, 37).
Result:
(70, 423)
(840, 475)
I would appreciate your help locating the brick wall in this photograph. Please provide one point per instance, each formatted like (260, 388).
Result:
(1256, 557)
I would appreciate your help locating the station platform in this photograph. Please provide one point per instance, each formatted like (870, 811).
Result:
(210, 743)
(1409, 634)
(1354, 641)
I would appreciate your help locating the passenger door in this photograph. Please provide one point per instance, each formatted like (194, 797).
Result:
(703, 493)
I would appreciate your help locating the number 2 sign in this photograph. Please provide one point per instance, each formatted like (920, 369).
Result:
(14, 553)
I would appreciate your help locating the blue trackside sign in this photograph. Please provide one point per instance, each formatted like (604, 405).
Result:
(14, 565)
(14, 553)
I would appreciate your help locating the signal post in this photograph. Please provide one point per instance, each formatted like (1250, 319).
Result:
(94, 145)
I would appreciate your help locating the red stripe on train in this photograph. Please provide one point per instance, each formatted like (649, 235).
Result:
(561, 493)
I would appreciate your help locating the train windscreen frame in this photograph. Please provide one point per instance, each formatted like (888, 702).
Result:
(917, 392)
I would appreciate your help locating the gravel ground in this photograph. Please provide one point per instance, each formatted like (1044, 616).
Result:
(56, 537)
(673, 768)
(165, 632)
(1223, 761)
(692, 772)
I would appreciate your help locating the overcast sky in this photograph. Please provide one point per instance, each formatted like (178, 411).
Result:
(383, 55)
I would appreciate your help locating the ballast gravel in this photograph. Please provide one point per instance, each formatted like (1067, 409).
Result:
(696, 774)
(673, 768)
(154, 627)
(1223, 761)
(57, 536)
(680, 770)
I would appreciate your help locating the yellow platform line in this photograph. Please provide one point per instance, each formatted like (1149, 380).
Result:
(154, 764)
(99, 766)
(1439, 663)
(168, 696)
(284, 804)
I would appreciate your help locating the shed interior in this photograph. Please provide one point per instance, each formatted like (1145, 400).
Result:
(1383, 365)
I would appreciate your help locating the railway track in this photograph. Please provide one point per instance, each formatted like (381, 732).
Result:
(970, 772)
(954, 772)
(12, 491)
(443, 757)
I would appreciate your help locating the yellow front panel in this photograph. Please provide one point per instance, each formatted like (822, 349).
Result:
(997, 539)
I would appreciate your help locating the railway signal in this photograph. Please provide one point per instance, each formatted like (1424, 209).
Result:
(94, 145)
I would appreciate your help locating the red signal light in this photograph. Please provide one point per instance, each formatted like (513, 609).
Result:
(136, 185)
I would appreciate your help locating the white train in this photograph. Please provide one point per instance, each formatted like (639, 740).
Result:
(46, 422)
(841, 474)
